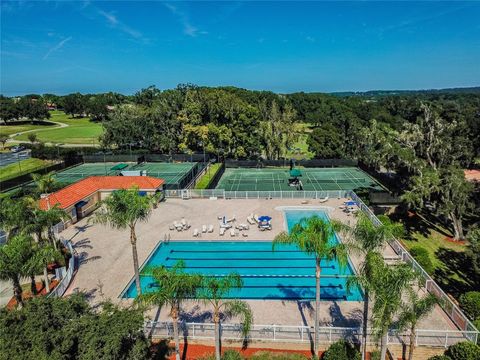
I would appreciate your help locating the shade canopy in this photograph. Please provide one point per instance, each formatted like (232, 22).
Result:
(295, 173)
(264, 218)
(119, 167)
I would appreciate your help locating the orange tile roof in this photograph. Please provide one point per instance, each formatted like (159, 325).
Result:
(78, 191)
(472, 175)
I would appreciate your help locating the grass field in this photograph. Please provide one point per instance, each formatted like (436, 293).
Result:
(14, 128)
(79, 131)
(299, 149)
(21, 168)
(205, 179)
(451, 268)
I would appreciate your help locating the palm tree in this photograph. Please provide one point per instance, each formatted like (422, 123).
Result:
(215, 291)
(45, 183)
(415, 309)
(13, 257)
(173, 286)
(42, 255)
(388, 285)
(370, 239)
(123, 210)
(314, 236)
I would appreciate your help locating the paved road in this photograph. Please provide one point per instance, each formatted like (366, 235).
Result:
(10, 158)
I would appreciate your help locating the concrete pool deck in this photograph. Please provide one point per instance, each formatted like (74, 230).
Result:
(106, 265)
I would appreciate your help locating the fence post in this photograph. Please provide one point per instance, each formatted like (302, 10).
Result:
(301, 333)
(193, 330)
(330, 336)
(446, 340)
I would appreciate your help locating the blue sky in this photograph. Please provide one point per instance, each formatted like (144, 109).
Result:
(89, 46)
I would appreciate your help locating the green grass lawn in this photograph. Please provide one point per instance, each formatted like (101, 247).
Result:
(299, 150)
(21, 168)
(13, 128)
(79, 131)
(205, 179)
(451, 265)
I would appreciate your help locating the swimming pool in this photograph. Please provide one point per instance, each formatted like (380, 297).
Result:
(285, 274)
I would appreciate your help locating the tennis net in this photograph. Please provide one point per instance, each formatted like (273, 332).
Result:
(256, 181)
(335, 181)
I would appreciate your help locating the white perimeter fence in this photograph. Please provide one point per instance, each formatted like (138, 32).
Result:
(467, 329)
(452, 310)
(62, 286)
(222, 194)
(302, 334)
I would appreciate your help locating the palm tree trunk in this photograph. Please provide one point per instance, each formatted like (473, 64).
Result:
(33, 284)
(216, 321)
(317, 305)
(45, 276)
(133, 241)
(176, 337)
(412, 343)
(365, 325)
(383, 345)
(17, 291)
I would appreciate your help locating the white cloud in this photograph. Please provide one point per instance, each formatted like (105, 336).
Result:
(184, 19)
(57, 47)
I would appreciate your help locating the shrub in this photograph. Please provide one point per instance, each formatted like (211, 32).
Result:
(265, 355)
(341, 350)
(231, 355)
(439, 357)
(375, 355)
(423, 258)
(465, 350)
(470, 303)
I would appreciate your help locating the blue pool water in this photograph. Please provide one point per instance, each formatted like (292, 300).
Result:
(286, 273)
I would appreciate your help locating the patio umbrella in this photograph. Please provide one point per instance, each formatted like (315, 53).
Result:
(264, 218)
(351, 203)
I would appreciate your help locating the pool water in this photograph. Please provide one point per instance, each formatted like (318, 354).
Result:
(286, 273)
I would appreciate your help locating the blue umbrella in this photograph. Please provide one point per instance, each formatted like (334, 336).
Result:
(264, 218)
(351, 203)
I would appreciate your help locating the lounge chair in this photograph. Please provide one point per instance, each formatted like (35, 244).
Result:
(322, 200)
(204, 228)
(250, 220)
(225, 226)
(232, 232)
(195, 233)
(172, 227)
(184, 222)
(222, 231)
(255, 217)
(244, 234)
(210, 228)
(232, 219)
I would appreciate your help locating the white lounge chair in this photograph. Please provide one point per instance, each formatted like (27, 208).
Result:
(322, 200)
(195, 232)
(232, 219)
(210, 228)
(184, 222)
(255, 217)
(204, 228)
(222, 231)
(244, 234)
(232, 232)
(250, 219)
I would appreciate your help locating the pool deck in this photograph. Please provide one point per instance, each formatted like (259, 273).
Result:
(106, 265)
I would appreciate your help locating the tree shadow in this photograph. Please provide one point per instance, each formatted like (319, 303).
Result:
(83, 258)
(455, 276)
(412, 224)
(80, 229)
(160, 350)
(84, 243)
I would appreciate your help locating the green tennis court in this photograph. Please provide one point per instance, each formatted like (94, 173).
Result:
(176, 175)
(312, 179)
(173, 173)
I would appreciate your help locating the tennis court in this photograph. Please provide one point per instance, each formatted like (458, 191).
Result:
(176, 175)
(312, 179)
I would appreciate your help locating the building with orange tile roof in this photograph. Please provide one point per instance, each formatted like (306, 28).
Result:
(81, 198)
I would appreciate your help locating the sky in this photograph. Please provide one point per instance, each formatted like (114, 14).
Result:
(68, 46)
